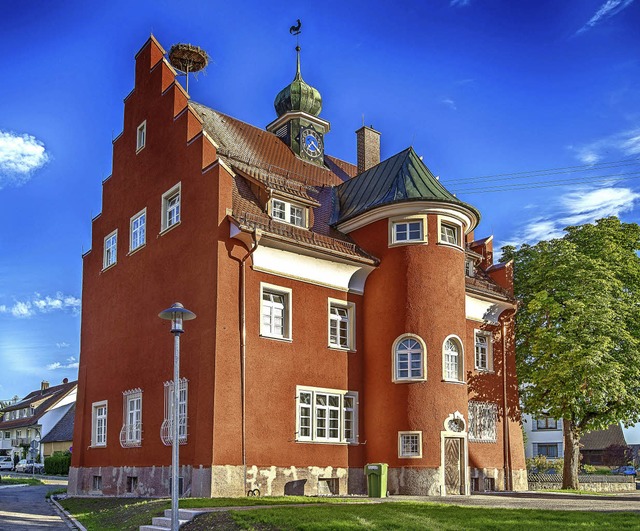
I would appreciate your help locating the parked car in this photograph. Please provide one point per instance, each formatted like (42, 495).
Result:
(6, 463)
(625, 471)
(27, 465)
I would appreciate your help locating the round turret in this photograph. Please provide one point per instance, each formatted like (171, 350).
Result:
(298, 96)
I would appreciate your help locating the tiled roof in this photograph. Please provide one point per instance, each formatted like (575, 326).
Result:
(403, 177)
(63, 430)
(601, 439)
(260, 156)
(42, 400)
(483, 283)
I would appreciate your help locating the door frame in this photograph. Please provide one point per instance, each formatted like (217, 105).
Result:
(462, 435)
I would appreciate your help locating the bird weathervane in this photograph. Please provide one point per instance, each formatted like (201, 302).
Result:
(295, 30)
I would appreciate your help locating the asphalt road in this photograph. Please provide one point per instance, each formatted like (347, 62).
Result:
(25, 509)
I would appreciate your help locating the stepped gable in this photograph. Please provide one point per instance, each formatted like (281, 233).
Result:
(403, 177)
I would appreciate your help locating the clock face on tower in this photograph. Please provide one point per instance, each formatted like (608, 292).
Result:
(311, 142)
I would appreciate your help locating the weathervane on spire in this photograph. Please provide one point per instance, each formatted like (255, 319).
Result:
(295, 30)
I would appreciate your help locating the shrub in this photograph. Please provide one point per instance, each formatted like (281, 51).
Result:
(58, 463)
(590, 469)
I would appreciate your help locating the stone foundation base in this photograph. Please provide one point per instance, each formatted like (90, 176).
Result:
(228, 481)
(492, 479)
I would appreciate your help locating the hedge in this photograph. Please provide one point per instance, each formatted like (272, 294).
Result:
(58, 463)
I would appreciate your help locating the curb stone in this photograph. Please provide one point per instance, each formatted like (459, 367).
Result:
(68, 519)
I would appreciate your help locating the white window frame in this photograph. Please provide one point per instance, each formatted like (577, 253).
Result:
(460, 358)
(314, 412)
(131, 433)
(110, 252)
(446, 221)
(167, 197)
(140, 230)
(335, 307)
(402, 435)
(399, 222)
(289, 211)
(285, 293)
(166, 430)
(99, 423)
(396, 361)
(141, 136)
(488, 336)
(483, 422)
(469, 268)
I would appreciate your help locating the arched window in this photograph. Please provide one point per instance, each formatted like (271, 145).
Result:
(409, 359)
(453, 359)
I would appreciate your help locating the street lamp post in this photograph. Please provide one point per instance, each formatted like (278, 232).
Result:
(176, 314)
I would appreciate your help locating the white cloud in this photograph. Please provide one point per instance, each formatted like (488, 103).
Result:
(626, 143)
(581, 206)
(20, 155)
(606, 10)
(62, 344)
(39, 304)
(57, 365)
(449, 103)
(461, 3)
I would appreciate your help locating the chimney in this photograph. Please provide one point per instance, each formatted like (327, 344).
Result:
(44, 385)
(368, 148)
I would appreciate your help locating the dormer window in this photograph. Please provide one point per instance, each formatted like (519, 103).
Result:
(288, 212)
(469, 269)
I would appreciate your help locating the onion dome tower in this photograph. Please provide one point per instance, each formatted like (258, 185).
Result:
(298, 124)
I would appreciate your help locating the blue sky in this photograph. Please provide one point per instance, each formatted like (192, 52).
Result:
(478, 87)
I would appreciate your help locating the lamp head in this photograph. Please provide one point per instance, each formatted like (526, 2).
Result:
(177, 314)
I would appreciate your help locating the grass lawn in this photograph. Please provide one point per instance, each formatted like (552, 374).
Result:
(20, 481)
(124, 514)
(408, 515)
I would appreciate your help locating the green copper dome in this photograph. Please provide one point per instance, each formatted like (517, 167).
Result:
(298, 96)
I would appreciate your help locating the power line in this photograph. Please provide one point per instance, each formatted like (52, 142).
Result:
(550, 171)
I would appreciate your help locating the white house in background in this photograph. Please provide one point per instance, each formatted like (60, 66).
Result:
(33, 417)
(543, 436)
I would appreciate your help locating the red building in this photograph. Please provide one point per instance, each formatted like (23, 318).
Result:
(345, 314)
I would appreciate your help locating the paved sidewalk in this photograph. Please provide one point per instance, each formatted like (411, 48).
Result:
(25, 509)
(539, 500)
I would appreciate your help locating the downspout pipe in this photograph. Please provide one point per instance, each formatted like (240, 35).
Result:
(505, 421)
(243, 351)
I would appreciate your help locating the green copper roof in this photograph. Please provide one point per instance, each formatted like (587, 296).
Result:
(298, 96)
(401, 178)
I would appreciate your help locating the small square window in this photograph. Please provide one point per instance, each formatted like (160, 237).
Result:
(141, 136)
(171, 207)
(275, 311)
(449, 234)
(97, 482)
(138, 230)
(110, 255)
(410, 444)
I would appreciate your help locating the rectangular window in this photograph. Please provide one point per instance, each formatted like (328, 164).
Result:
(327, 416)
(131, 433)
(483, 350)
(132, 484)
(548, 450)
(469, 268)
(483, 419)
(7, 435)
(97, 483)
(411, 230)
(138, 230)
(410, 444)
(166, 430)
(141, 136)
(171, 207)
(341, 324)
(275, 311)
(110, 250)
(288, 212)
(449, 234)
(99, 424)
(546, 423)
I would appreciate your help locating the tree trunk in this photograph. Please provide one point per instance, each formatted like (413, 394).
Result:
(571, 456)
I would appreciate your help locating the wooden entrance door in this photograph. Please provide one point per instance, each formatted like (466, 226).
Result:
(454, 465)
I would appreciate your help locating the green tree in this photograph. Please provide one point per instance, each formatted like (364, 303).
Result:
(578, 330)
